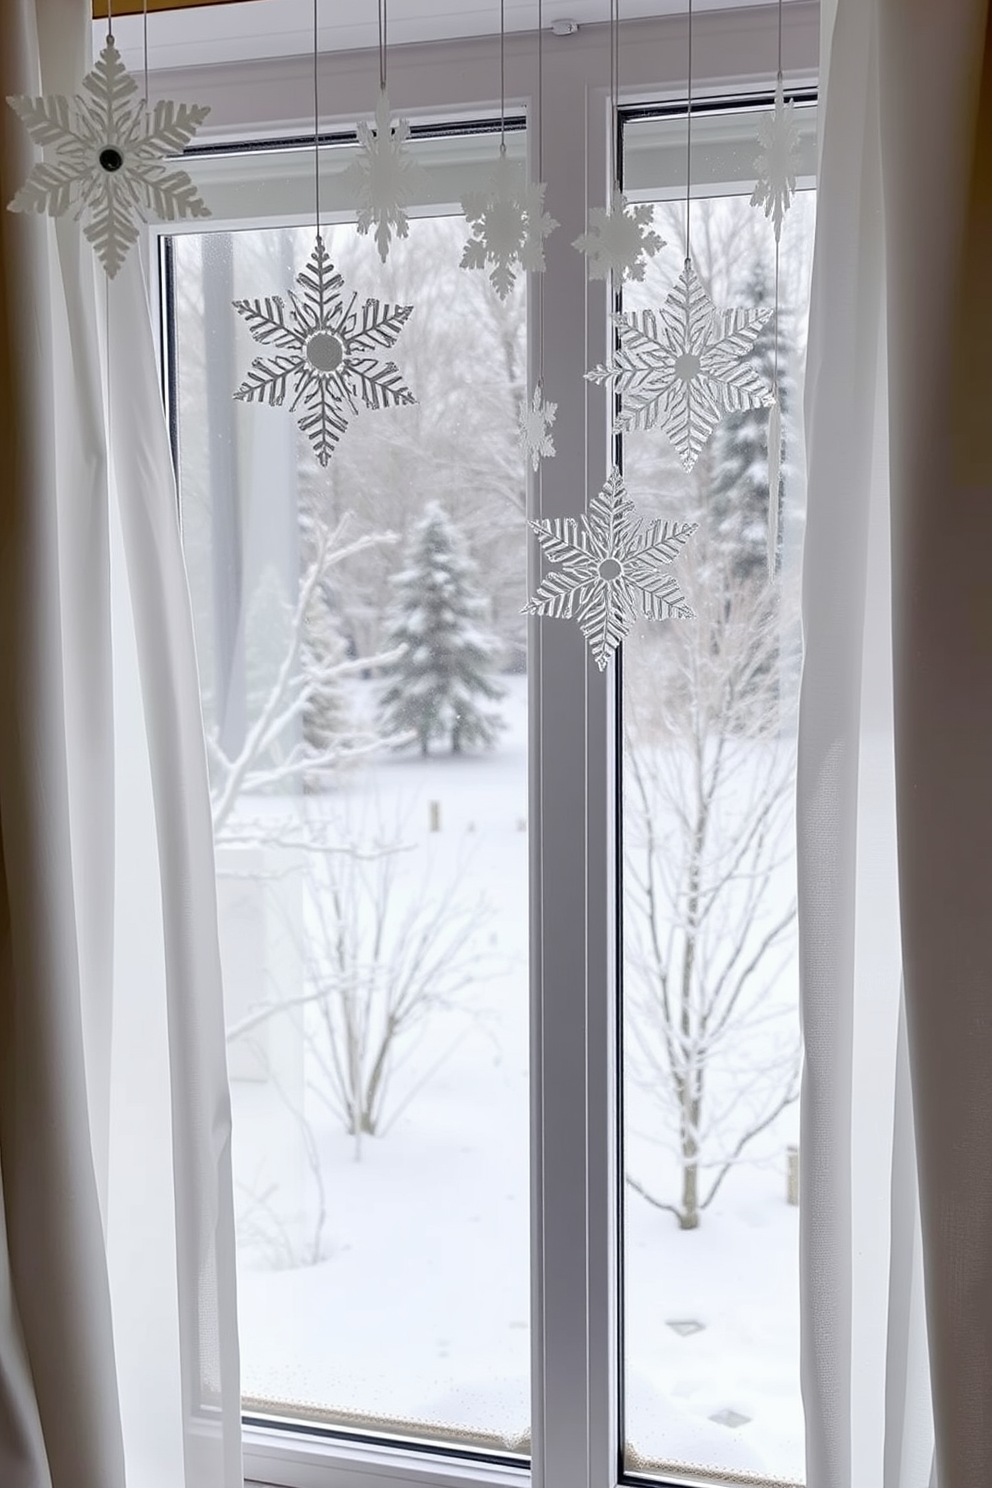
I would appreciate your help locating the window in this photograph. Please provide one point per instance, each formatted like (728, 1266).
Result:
(709, 979)
(444, 1274)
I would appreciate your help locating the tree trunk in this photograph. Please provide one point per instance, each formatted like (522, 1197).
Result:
(689, 1208)
(689, 1211)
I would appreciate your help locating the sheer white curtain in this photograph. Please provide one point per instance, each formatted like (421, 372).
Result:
(895, 802)
(118, 1337)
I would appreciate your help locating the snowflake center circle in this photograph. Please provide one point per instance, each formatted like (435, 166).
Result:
(610, 569)
(111, 159)
(504, 220)
(687, 366)
(325, 351)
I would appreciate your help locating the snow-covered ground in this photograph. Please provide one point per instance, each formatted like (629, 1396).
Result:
(417, 1308)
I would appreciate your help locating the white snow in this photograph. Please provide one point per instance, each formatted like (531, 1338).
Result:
(419, 1309)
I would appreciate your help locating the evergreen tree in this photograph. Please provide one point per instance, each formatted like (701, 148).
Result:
(439, 684)
(326, 720)
(738, 499)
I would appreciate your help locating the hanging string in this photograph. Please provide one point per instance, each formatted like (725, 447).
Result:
(144, 45)
(110, 20)
(502, 77)
(778, 255)
(775, 413)
(382, 45)
(540, 177)
(688, 143)
(614, 91)
(316, 127)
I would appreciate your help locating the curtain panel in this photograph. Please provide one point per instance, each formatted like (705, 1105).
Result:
(118, 1335)
(894, 793)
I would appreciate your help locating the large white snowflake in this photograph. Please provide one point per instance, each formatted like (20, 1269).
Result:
(536, 419)
(778, 161)
(615, 566)
(620, 239)
(687, 372)
(330, 351)
(509, 225)
(385, 176)
(107, 158)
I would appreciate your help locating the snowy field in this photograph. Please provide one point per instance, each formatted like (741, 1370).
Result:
(387, 1276)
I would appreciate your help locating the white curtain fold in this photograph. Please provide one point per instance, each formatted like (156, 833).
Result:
(118, 1335)
(894, 791)
(842, 400)
(937, 171)
(200, 1102)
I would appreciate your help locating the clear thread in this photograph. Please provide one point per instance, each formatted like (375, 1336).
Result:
(316, 126)
(502, 77)
(688, 152)
(540, 176)
(382, 45)
(778, 246)
(614, 93)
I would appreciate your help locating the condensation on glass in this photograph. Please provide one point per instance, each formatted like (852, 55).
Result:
(363, 670)
(711, 1041)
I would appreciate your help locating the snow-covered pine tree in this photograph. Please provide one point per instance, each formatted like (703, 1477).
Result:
(327, 719)
(738, 495)
(439, 685)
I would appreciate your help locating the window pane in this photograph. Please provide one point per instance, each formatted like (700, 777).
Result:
(710, 984)
(363, 658)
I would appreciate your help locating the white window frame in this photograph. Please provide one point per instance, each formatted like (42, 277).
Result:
(575, 1349)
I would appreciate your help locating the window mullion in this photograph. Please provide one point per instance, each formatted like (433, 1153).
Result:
(573, 1052)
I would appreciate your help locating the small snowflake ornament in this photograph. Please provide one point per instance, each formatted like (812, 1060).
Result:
(687, 372)
(614, 566)
(778, 161)
(509, 225)
(107, 158)
(385, 176)
(620, 240)
(329, 349)
(536, 419)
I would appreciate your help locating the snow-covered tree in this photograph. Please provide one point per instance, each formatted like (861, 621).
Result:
(299, 732)
(712, 1047)
(444, 673)
(327, 716)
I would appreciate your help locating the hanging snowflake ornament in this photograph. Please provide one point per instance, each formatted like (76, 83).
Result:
(329, 350)
(620, 240)
(687, 373)
(614, 567)
(509, 225)
(385, 176)
(778, 161)
(536, 419)
(107, 163)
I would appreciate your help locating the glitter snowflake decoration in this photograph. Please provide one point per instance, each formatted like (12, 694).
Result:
(385, 176)
(329, 350)
(536, 419)
(778, 161)
(620, 240)
(509, 225)
(614, 567)
(687, 373)
(107, 158)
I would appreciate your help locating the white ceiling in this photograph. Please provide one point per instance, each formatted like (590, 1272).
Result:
(280, 28)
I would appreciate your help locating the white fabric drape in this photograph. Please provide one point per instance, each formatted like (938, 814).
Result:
(118, 1337)
(894, 803)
